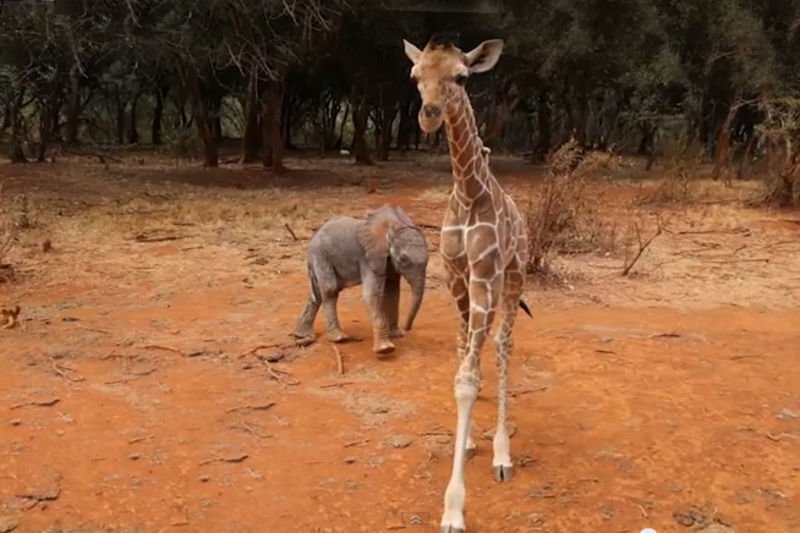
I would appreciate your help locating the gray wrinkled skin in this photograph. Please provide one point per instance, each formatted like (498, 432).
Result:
(373, 252)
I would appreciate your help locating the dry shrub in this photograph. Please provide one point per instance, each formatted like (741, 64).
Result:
(780, 132)
(561, 218)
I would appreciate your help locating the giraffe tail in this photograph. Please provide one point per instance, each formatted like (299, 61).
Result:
(525, 308)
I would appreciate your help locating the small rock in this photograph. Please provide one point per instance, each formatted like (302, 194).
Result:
(787, 414)
(205, 478)
(535, 519)
(135, 456)
(607, 510)
(350, 460)
(15, 421)
(399, 441)
(691, 517)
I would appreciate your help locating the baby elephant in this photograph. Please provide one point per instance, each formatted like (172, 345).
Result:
(374, 253)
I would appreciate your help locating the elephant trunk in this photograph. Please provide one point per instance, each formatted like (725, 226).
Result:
(417, 291)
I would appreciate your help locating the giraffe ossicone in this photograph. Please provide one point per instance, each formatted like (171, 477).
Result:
(484, 248)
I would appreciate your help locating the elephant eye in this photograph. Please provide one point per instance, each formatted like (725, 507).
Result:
(461, 79)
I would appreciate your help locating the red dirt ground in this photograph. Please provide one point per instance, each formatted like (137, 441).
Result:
(133, 398)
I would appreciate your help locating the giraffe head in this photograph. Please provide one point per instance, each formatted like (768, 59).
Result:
(441, 70)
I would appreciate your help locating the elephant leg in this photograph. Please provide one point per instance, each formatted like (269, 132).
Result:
(304, 330)
(391, 304)
(373, 297)
(335, 333)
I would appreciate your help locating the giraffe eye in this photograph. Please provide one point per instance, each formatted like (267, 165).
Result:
(461, 79)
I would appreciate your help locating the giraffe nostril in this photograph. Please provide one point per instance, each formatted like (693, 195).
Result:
(431, 111)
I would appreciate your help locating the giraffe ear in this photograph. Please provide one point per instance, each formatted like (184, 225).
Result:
(411, 51)
(484, 56)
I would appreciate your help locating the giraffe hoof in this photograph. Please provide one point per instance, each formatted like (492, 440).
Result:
(503, 472)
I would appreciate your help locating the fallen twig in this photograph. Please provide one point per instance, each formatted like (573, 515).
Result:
(96, 330)
(281, 376)
(643, 245)
(65, 372)
(262, 347)
(291, 232)
(779, 437)
(337, 384)
(161, 347)
(256, 407)
(514, 394)
(238, 458)
(339, 360)
(356, 443)
(37, 403)
(746, 356)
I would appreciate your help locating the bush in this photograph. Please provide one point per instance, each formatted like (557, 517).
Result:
(560, 217)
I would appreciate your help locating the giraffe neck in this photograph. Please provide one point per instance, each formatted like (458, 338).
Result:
(468, 161)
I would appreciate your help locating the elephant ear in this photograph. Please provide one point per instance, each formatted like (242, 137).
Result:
(374, 236)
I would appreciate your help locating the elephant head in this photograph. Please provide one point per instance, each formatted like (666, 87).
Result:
(394, 245)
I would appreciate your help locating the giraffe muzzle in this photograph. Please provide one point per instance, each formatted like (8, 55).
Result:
(431, 111)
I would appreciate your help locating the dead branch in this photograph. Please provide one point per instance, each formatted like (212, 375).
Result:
(65, 372)
(337, 384)
(339, 360)
(263, 347)
(643, 245)
(291, 232)
(281, 376)
(256, 407)
(161, 347)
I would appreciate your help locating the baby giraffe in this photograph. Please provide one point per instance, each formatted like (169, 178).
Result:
(483, 245)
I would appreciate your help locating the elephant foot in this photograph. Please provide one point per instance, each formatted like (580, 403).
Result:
(395, 333)
(303, 339)
(383, 347)
(339, 336)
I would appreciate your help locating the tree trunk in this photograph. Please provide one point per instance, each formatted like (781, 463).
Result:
(200, 116)
(120, 115)
(15, 152)
(271, 127)
(6, 119)
(251, 137)
(360, 116)
(723, 148)
(158, 113)
(748, 147)
(386, 113)
(545, 125)
(73, 106)
(133, 130)
(404, 128)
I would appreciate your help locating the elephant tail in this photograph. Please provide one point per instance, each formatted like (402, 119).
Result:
(315, 292)
(525, 308)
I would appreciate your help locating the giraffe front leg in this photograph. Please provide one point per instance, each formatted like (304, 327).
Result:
(504, 344)
(460, 293)
(483, 295)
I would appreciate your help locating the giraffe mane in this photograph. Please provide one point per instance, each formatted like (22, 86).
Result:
(444, 40)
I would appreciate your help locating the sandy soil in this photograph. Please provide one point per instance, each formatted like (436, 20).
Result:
(152, 386)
